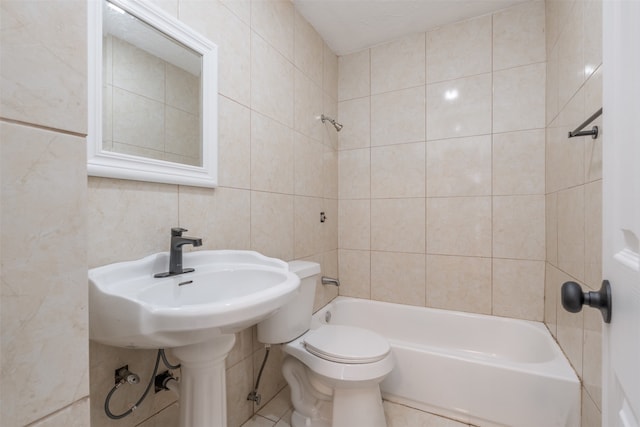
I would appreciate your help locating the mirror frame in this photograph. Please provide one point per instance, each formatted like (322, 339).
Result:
(116, 165)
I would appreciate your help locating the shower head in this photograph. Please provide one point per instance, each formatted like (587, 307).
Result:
(335, 124)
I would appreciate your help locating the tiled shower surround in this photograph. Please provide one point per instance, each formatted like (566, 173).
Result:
(458, 187)
(451, 185)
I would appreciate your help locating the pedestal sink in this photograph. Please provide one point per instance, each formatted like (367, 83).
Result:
(194, 314)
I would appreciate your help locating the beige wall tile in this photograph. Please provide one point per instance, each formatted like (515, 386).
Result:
(220, 217)
(330, 226)
(518, 227)
(565, 156)
(354, 224)
(330, 73)
(593, 147)
(459, 107)
(518, 98)
(44, 82)
(398, 225)
(399, 64)
(234, 144)
(272, 155)
(168, 416)
(354, 174)
(308, 166)
(233, 37)
(459, 50)
(398, 171)
(308, 50)
(552, 23)
(518, 289)
(354, 77)
(459, 226)
(355, 115)
(551, 227)
(571, 55)
(519, 163)
(592, 36)
(330, 173)
(274, 20)
(591, 415)
(518, 35)
(571, 237)
(459, 167)
(307, 106)
(74, 415)
(272, 81)
(398, 117)
(113, 204)
(43, 291)
(551, 92)
(459, 283)
(355, 273)
(241, 8)
(307, 226)
(272, 222)
(552, 283)
(398, 278)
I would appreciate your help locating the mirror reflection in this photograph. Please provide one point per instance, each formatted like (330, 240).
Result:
(151, 90)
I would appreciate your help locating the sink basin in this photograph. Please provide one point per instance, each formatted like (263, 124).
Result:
(227, 292)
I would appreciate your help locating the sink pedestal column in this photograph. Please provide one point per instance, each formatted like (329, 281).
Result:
(203, 401)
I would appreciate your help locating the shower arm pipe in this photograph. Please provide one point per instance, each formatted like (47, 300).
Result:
(594, 130)
(335, 124)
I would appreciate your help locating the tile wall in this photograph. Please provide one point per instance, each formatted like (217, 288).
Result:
(44, 351)
(278, 171)
(442, 167)
(574, 186)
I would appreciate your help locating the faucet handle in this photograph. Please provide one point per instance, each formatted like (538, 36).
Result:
(177, 231)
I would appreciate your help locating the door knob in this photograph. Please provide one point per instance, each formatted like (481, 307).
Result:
(573, 299)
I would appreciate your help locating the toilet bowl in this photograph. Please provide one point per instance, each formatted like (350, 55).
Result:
(334, 372)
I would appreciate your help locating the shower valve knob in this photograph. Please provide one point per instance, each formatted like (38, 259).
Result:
(573, 299)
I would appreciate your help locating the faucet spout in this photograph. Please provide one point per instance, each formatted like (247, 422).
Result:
(175, 252)
(330, 281)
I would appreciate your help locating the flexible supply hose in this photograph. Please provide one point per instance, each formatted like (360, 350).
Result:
(107, 400)
(254, 395)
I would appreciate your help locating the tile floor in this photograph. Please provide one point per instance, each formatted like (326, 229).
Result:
(277, 413)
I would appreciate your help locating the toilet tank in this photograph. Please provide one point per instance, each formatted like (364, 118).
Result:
(294, 318)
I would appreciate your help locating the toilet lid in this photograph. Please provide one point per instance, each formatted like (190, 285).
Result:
(346, 344)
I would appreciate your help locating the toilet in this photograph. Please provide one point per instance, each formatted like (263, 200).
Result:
(333, 371)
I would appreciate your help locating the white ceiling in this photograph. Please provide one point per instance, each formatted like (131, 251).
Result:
(351, 25)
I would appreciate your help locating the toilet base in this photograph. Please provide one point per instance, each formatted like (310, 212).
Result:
(319, 402)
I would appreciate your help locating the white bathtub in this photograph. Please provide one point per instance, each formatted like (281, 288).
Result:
(483, 370)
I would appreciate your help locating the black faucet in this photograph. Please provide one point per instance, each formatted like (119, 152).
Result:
(175, 253)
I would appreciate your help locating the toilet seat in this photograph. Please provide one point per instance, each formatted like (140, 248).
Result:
(346, 344)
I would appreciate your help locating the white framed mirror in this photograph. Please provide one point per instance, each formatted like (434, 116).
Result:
(153, 89)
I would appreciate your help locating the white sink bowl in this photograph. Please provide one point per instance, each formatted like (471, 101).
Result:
(227, 292)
